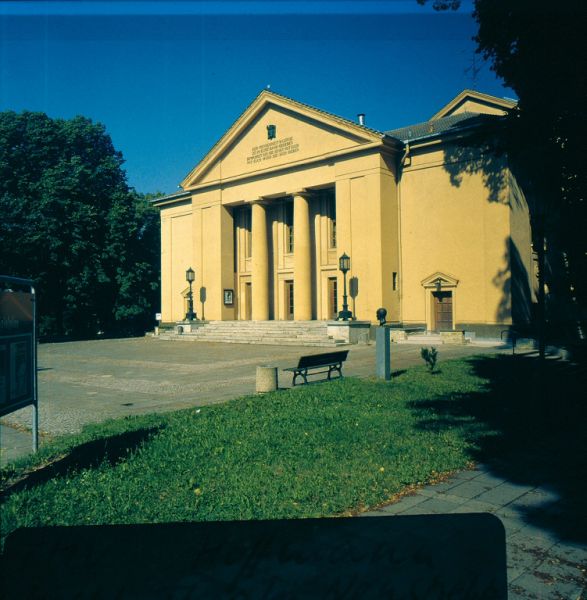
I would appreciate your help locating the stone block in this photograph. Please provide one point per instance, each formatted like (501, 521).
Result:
(452, 337)
(352, 332)
(398, 335)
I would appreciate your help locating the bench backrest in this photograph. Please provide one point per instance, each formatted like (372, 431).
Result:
(327, 358)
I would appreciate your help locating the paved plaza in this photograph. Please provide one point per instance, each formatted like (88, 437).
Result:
(81, 382)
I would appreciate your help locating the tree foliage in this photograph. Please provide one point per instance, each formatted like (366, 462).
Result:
(71, 223)
(538, 50)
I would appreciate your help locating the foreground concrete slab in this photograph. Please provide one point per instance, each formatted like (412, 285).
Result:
(540, 563)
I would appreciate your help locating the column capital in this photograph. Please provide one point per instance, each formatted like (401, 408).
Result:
(303, 193)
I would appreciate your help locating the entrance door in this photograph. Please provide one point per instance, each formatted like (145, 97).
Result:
(332, 297)
(442, 311)
(289, 300)
(248, 301)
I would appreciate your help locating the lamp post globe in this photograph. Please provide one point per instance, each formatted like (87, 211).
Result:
(344, 264)
(190, 277)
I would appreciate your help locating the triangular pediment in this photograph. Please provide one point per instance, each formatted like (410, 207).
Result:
(475, 102)
(439, 279)
(300, 133)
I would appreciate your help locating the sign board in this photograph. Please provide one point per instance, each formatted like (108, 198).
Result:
(18, 356)
(157, 316)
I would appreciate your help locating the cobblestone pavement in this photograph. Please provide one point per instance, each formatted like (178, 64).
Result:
(541, 564)
(81, 382)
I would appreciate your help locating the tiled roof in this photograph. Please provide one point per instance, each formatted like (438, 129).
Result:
(452, 123)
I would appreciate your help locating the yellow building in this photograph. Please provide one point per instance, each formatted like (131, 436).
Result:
(435, 225)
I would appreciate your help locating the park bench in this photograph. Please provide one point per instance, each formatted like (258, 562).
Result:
(329, 362)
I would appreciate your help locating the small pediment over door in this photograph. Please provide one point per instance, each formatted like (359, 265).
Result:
(440, 280)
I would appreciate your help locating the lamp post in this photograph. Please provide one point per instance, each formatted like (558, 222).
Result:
(190, 276)
(344, 264)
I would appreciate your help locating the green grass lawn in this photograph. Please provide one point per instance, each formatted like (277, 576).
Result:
(319, 450)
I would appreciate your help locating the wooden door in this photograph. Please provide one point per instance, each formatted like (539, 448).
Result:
(332, 297)
(289, 300)
(442, 311)
(248, 301)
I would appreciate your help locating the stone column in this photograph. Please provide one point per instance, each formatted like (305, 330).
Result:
(302, 258)
(259, 263)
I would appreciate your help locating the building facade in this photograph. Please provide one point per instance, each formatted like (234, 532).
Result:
(435, 224)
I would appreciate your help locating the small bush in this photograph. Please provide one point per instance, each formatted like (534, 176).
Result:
(430, 356)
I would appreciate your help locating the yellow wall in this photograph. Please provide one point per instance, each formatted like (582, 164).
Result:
(176, 257)
(457, 228)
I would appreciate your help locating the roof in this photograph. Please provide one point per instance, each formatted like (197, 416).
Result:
(450, 124)
(502, 104)
(180, 194)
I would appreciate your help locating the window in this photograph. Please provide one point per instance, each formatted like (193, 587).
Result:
(394, 278)
(248, 231)
(331, 212)
(289, 226)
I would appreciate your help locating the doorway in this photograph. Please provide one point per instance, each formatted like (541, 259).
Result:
(332, 297)
(289, 300)
(248, 301)
(442, 303)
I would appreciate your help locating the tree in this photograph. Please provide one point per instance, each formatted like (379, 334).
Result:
(71, 223)
(537, 49)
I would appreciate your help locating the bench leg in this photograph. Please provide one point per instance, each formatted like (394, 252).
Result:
(301, 374)
(333, 368)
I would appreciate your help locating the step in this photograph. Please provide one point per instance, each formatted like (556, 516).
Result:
(284, 333)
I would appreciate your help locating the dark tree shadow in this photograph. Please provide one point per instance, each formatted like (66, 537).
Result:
(111, 450)
(528, 426)
(479, 152)
(516, 300)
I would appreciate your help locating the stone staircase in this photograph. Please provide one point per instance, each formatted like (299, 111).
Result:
(277, 333)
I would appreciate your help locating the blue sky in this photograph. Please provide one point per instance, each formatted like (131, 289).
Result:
(168, 78)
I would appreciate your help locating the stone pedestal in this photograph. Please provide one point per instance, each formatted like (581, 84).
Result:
(188, 326)
(352, 332)
(266, 379)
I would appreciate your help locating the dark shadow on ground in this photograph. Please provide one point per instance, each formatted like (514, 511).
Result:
(89, 455)
(420, 557)
(529, 424)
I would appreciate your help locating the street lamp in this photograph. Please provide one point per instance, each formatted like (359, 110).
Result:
(190, 276)
(344, 264)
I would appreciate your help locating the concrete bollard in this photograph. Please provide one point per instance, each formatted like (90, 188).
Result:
(382, 351)
(266, 379)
